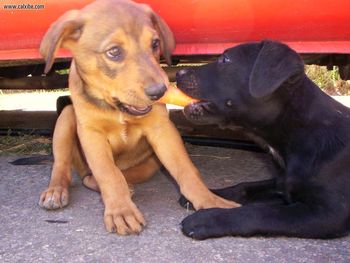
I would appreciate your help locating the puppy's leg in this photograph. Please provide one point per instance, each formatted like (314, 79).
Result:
(134, 175)
(121, 214)
(90, 182)
(306, 220)
(143, 171)
(170, 150)
(247, 192)
(83, 169)
(56, 195)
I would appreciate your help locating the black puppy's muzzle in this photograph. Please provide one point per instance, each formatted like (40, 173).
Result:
(187, 82)
(201, 112)
(199, 109)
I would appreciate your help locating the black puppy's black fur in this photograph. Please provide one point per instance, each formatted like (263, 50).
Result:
(262, 87)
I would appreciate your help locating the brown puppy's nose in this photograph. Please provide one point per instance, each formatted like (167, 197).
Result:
(155, 91)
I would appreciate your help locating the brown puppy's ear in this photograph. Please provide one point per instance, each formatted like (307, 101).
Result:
(60, 34)
(167, 40)
(275, 64)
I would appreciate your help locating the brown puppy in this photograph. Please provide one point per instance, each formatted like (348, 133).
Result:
(115, 79)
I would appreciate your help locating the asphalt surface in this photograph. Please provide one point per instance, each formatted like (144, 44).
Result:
(76, 233)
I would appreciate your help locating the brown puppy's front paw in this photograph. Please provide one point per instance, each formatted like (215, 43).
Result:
(214, 201)
(54, 198)
(124, 218)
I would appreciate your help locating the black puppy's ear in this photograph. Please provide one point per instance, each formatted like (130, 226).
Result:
(275, 64)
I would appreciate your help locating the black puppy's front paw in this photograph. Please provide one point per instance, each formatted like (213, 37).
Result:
(205, 223)
(185, 203)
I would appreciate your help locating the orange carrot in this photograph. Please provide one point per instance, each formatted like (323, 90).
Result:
(176, 97)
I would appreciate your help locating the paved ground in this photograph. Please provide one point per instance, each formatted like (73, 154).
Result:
(27, 236)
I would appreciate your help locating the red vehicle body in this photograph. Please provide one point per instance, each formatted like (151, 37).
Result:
(201, 27)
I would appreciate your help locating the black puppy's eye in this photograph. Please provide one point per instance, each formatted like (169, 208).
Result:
(229, 103)
(115, 53)
(155, 44)
(224, 59)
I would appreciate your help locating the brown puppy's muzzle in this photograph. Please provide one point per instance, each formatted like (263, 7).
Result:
(130, 109)
(155, 91)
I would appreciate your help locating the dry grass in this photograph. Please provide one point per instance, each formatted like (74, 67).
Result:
(24, 145)
(328, 80)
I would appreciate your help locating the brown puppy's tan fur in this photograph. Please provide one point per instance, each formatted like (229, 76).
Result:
(119, 148)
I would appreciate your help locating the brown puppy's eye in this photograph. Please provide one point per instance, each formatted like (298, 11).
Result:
(115, 53)
(155, 44)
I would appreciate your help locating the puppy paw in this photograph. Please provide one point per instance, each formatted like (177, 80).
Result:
(185, 203)
(212, 201)
(54, 198)
(203, 224)
(89, 182)
(124, 218)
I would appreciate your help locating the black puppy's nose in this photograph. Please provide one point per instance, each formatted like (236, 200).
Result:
(180, 73)
(155, 91)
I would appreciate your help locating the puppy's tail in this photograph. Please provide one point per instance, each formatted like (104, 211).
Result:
(34, 160)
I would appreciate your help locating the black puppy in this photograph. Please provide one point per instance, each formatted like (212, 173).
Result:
(262, 87)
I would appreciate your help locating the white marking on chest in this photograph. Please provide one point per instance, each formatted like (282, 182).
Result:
(264, 145)
(123, 130)
(275, 154)
(124, 134)
(277, 157)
